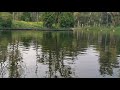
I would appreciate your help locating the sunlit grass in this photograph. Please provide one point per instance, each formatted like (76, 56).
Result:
(24, 24)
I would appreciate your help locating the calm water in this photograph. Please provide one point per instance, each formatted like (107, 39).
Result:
(35, 54)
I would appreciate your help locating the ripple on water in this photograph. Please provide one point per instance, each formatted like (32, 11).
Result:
(118, 55)
(69, 55)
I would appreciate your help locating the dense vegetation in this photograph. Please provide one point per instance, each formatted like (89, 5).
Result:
(5, 19)
(58, 19)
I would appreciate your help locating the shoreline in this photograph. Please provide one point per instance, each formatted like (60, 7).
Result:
(41, 29)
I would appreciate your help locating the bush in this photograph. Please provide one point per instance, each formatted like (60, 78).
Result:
(67, 20)
(48, 19)
(5, 20)
(26, 16)
(58, 19)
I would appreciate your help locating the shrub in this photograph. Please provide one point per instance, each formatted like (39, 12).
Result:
(5, 19)
(67, 20)
(58, 19)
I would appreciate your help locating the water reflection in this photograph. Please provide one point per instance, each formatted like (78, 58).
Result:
(108, 54)
(35, 54)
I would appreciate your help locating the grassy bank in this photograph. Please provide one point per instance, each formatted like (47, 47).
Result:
(39, 25)
(115, 30)
(24, 24)
(95, 28)
(111, 30)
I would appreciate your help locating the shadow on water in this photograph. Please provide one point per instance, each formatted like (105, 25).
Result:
(59, 54)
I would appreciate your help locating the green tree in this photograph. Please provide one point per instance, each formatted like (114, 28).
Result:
(58, 19)
(5, 19)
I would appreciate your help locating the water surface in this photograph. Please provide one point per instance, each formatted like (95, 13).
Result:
(63, 54)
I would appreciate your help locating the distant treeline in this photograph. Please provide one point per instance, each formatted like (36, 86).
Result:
(62, 19)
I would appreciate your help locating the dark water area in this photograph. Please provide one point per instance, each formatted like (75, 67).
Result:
(63, 54)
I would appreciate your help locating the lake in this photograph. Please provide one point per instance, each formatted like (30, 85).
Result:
(59, 54)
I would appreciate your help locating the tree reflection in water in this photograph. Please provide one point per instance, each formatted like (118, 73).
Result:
(15, 61)
(108, 55)
(53, 55)
(57, 50)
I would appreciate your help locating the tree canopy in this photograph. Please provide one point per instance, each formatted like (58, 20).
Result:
(62, 19)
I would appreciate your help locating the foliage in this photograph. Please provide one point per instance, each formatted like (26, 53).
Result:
(48, 19)
(5, 19)
(67, 20)
(58, 19)
(62, 19)
(26, 16)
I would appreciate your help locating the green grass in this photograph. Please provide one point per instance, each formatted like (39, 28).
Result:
(24, 24)
(112, 30)
(95, 28)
